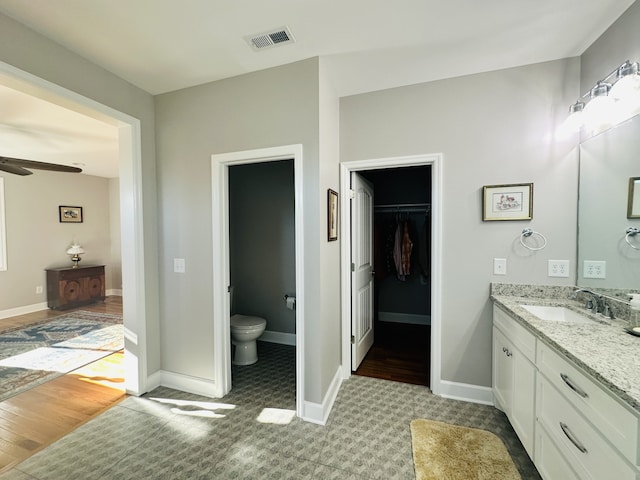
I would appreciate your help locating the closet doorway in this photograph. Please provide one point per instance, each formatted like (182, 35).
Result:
(401, 329)
(406, 322)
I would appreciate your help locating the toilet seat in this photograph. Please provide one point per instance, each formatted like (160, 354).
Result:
(246, 322)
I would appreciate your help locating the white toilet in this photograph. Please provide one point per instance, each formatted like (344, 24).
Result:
(245, 330)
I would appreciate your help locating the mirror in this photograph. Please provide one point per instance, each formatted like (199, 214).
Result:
(608, 204)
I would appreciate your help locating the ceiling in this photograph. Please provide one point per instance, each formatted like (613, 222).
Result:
(366, 45)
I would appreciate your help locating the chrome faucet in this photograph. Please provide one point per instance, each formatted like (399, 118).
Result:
(593, 303)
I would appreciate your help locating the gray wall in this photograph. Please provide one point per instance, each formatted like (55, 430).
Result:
(262, 241)
(278, 106)
(37, 240)
(33, 53)
(619, 43)
(493, 128)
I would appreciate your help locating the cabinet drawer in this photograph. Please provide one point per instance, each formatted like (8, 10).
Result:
(74, 274)
(550, 463)
(617, 424)
(584, 448)
(522, 338)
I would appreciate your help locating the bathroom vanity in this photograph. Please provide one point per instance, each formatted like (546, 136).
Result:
(569, 382)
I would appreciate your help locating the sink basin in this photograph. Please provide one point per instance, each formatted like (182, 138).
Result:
(556, 314)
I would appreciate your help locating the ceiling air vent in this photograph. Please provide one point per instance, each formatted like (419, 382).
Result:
(274, 38)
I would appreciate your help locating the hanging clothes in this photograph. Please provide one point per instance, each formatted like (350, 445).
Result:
(402, 248)
(407, 246)
(397, 251)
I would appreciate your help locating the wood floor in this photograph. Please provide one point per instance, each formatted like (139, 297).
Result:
(400, 352)
(38, 417)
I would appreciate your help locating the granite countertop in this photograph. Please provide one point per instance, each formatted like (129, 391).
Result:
(602, 348)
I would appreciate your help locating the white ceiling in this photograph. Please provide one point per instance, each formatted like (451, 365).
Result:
(165, 45)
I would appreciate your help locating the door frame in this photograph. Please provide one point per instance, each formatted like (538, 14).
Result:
(220, 164)
(131, 211)
(434, 160)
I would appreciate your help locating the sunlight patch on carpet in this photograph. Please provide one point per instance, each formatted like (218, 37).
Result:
(450, 452)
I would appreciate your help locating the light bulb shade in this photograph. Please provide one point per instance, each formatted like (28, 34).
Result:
(75, 249)
(600, 112)
(573, 123)
(626, 91)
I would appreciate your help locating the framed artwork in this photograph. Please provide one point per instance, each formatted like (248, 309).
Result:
(70, 214)
(507, 202)
(332, 215)
(633, 209)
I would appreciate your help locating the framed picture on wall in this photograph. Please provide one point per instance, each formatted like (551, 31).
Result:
(507, 202)
(70, 214)
(332, 215)
(633, 207)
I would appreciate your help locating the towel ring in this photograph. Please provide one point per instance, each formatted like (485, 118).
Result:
(527, 232)
(632, 232)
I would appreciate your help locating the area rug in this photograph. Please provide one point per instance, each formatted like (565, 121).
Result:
(450, 452)
(35, 354)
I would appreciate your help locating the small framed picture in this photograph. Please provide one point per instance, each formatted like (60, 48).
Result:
(70, 214)
(633, 207)
(332, 215)
(507, 202)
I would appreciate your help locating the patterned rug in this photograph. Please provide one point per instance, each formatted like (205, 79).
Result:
(35, 354)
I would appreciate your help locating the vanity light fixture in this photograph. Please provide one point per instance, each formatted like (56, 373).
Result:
(612, 100)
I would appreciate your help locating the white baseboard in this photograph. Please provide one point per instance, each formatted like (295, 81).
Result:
(412, 318)
(465, 392)
(185, 383)
(278, 337)
(319, 413)
(14, 312)
(113, 292)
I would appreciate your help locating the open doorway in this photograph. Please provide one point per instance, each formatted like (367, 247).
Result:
(432, 196)
(262, 266)
(221, 165)
(131, 215)
(401, 241)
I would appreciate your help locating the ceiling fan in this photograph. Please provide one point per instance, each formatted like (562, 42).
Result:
(18, 166)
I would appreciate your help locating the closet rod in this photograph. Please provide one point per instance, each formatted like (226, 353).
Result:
(404, 207)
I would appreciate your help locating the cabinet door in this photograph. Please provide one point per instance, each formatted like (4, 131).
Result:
(502, 372)
(522, 414)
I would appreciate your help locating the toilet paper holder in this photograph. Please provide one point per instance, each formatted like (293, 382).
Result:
(290, 301)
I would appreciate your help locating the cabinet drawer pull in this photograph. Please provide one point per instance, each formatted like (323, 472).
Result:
(570, 436)
(573, 387)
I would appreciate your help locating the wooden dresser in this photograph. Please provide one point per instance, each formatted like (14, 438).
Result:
(69, 287)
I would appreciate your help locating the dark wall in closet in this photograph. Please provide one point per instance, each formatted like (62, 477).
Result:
(412, 296)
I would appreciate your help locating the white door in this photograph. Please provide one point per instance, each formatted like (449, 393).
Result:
(361, 269)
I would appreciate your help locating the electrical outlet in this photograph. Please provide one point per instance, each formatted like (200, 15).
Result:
(594, 269)
(179, 265)
(558, 268)
(38, 289)
(499, 266)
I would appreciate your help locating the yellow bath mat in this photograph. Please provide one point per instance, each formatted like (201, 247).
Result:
(449, 452)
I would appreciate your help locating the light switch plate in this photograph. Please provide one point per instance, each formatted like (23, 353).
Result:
(558, 268)
(179, 265)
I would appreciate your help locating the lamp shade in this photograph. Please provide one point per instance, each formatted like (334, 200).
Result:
(75, 249)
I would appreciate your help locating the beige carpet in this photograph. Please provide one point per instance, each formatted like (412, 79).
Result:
(449, 452)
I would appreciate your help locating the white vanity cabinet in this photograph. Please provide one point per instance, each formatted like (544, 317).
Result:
(514, 375)
(571, 425)
(593, 432)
